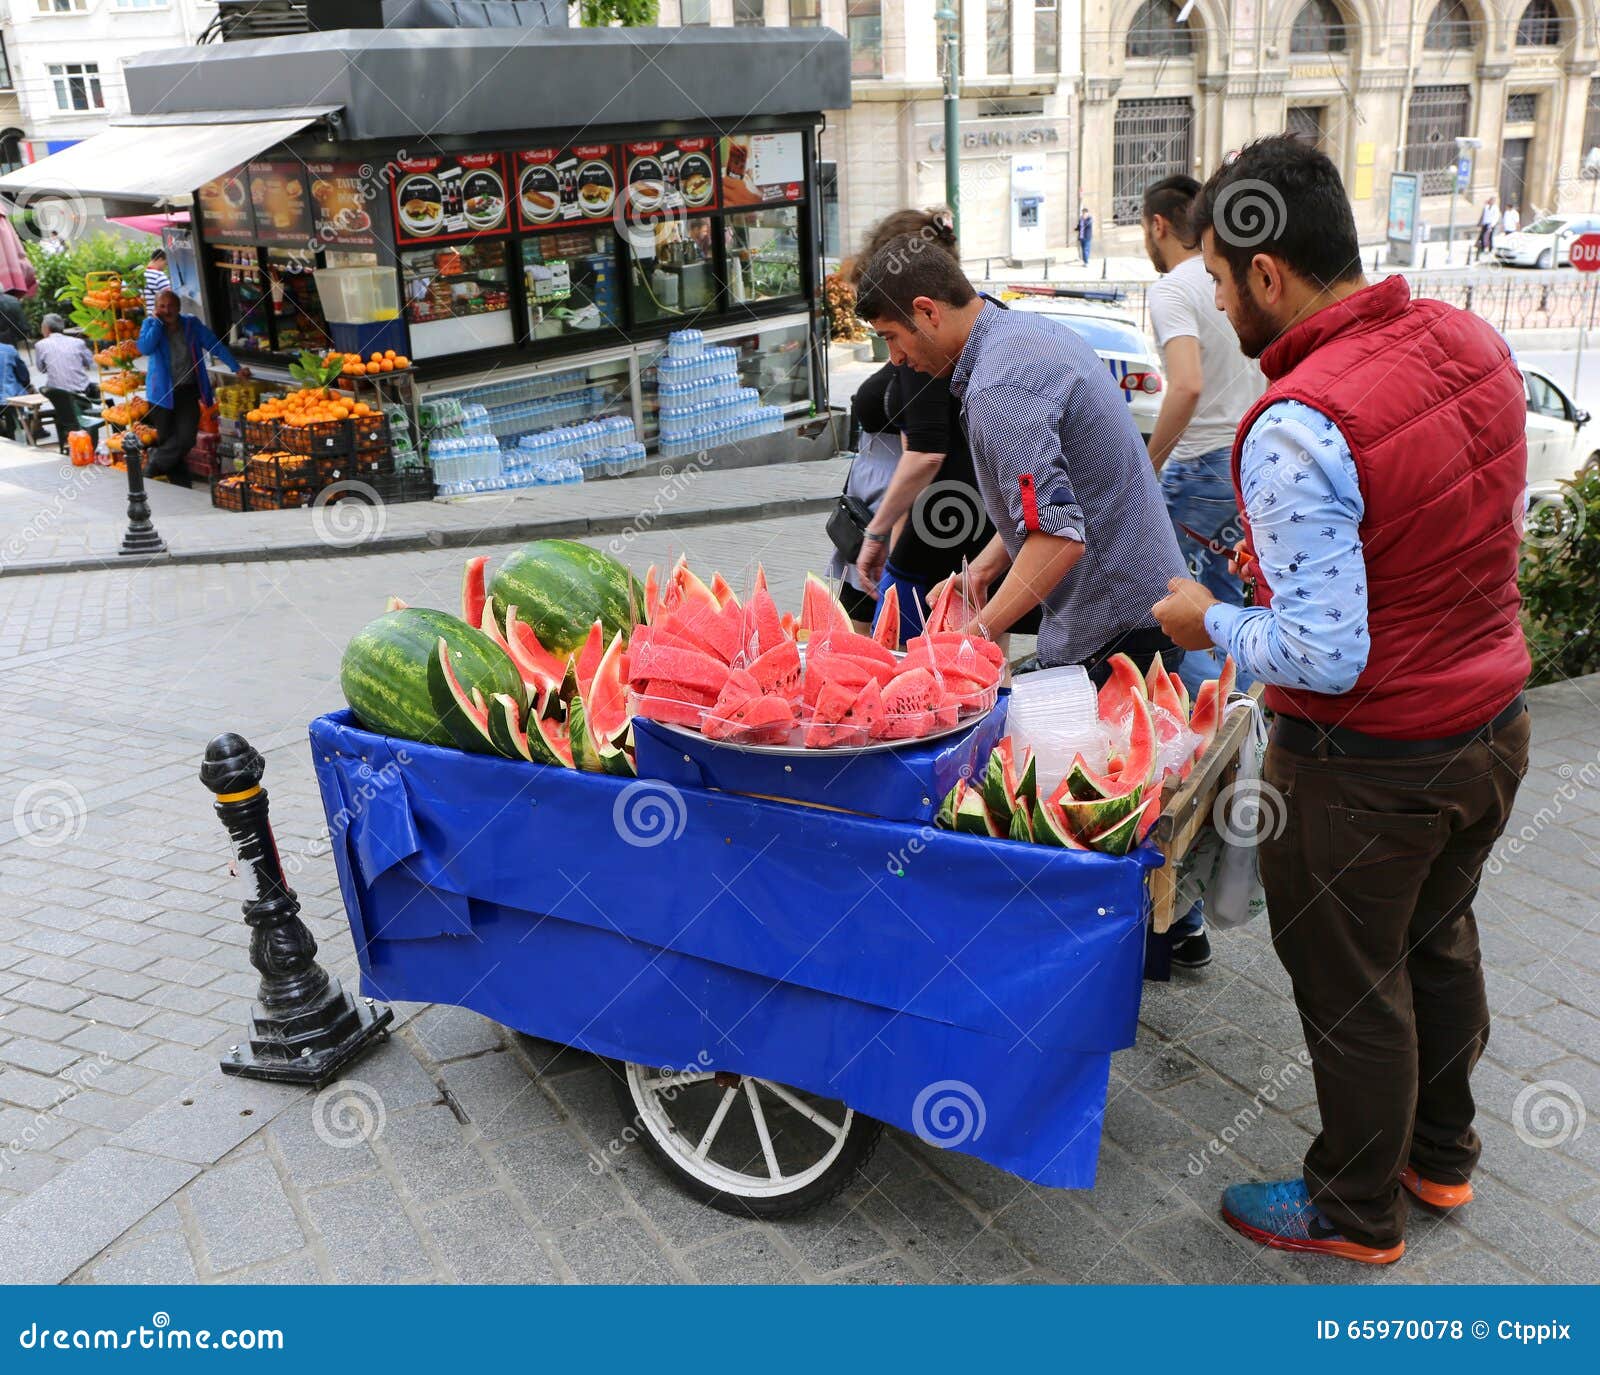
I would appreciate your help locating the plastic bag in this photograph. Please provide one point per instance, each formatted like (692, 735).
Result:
(1220, 868)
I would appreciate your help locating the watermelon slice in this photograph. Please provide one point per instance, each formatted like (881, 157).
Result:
(680, 666)
(886, 629)
(1021, 822)
(867, 710)
(739, 689)
(465, 716)
(474, 589)
(778, 669)
(1050, 827)
(856, 645)
(1226, 681)
(1164, 691)
(677, 692)
(543, 743)
(760, 721)
(820, 610)
(1086, 820)
(760, 580)
(708, 630)
(1138, 764)
(721, 591)
(1008, 781)
(1206, 716)
(1084, 784)
(964, 810)
(829, 724)
(825, 668)
(1122, 688)
(954, 640)
(1149, 814)
(675, 703)
(394, 604)
(763, 614)
(604, 708)
(1119, 839)
(587, 660)
(652, 593)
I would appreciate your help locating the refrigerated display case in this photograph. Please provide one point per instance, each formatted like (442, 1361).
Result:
(763, 255)
(570, 280)
(457, 298)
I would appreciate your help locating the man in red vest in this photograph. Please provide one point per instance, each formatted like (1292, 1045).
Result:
(1381, 479)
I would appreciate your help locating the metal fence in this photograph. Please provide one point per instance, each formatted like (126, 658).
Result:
(1508, 301)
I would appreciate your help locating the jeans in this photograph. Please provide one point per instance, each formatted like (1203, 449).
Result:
(1199, 494)
(1083, 248)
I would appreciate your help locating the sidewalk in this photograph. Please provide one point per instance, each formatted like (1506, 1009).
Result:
(55, 518)
(460, 1151)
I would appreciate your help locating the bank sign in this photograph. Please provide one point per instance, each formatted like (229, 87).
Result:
(998, 139)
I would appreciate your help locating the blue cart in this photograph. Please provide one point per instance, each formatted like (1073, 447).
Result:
(771, 981)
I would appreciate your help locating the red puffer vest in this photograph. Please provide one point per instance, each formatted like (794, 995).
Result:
(1431, 404)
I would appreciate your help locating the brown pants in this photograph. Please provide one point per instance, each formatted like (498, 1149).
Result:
(1369, 892)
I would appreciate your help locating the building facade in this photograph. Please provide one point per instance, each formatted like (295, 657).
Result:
(65, 64)
(1018, 115)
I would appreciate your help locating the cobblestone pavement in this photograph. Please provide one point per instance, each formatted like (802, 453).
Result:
(459, 1151)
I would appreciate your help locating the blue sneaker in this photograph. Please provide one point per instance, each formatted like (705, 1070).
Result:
(1282, 1215)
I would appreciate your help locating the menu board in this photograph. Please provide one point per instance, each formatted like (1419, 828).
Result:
(453, 197)
(225, 209)
(279, 203)
(341, 204)
(670, 174)
(562, 185)
(759, 169)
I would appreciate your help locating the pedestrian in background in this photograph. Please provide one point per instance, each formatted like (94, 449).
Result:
(14, 381)
(1511, 221)
(67, 364)
(1488, 222)
(14, 327)
(1085, 233)
(1383, 511)
(155, 279)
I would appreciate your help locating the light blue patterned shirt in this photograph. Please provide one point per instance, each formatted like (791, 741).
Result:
(1304, 503)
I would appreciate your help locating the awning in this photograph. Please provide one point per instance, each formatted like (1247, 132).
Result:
(156, 160)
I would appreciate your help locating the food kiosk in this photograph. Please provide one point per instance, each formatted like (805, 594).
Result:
(524, 214)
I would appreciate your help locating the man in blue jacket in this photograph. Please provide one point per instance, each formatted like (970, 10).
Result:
(176, 382)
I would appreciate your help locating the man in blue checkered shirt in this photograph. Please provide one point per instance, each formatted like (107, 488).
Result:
(1081, 526)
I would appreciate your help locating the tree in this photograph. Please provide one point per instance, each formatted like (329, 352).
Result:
(631, 14)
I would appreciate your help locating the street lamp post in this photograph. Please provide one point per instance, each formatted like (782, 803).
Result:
(140, 538)
(949, 23)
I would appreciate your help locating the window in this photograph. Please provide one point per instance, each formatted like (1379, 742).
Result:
(997, 28)
(1149, 140)
(1449, 28)
(1318, 28)
(672, 271)
(1591, 125)
(142, 4)
(10, 150)
(749, 14)
(1522, 108)
(1305, 124)
(695, 12)
(62, 6)
(864, 19)
(1540, 25)
(805, 14)
(570, 279)
(77, 85)
(763, 250)
(828, 194)
(1155, 32)
(6, 82)
(1544, 398)
(1046, 37)
(1437, 118)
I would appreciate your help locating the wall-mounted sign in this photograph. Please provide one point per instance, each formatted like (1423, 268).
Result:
(1031, 136)
(758, 169)
(560, 185)
(670, 174)
(456, 197)
(341, 205)
(225, 209)
(279, 203)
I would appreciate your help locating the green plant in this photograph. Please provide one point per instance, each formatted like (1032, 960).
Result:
(311, 371)
(631, 14)
(1560, 579)
(61, 274)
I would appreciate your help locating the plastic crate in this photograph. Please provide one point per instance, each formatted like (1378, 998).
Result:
(231, 493)
(366, 467)
(369, 433)
(410, 484)
(281, 470)
(261, 434)
(326, 439)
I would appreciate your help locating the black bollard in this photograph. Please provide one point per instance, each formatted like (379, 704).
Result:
(140, 536)
(304, 1028)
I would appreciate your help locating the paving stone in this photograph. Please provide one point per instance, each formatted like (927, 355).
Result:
(81, 1142)
(33, 1090)
(188, 1031)
(177, 1060)
(57, 1229)
(1133, 1120)
(54, 997)
(947, 1238)
(54, 942)
(161, 1259)
(367, 1234)
(447, 1033)
(217, 1114)
(38, 1056)
(748, 1256)
(485, 1241)
(123, 957)
(299, 1268)
(42, 1025)
(884, 1270)
(1474, 1266)
(552, 1173)
(326, 1140)
(104, 1110)
(243, 1214)
(682, 1220)
(498, 1096)
(432, 1155)
(117, 1012)
(615, 1250)
(115, 983)
(390, 1071)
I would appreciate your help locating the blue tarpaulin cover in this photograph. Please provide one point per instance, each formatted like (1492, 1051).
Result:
(895, 967)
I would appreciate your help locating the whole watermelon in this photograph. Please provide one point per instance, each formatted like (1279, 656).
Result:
(561, 588)
(384, 673)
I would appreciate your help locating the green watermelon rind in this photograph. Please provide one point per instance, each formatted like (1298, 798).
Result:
(384, 672)
(466, 730)
(1118, 839)
(561, 587)
(505, 728)
(1088, 819)
(1021, 823)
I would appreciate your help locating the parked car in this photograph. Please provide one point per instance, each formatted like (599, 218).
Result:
(1547, 242)
(1561, 439)
(1115, 335)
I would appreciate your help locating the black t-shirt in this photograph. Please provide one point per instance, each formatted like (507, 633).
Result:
(947, 521)
(870, 416)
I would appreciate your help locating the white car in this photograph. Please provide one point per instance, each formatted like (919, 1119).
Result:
(1561, 440)
(1547, 242)
(1116, 337)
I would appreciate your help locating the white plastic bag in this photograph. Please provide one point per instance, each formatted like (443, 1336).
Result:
(1220, 868)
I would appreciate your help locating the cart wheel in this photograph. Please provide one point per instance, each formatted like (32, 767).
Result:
(746, 1146)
